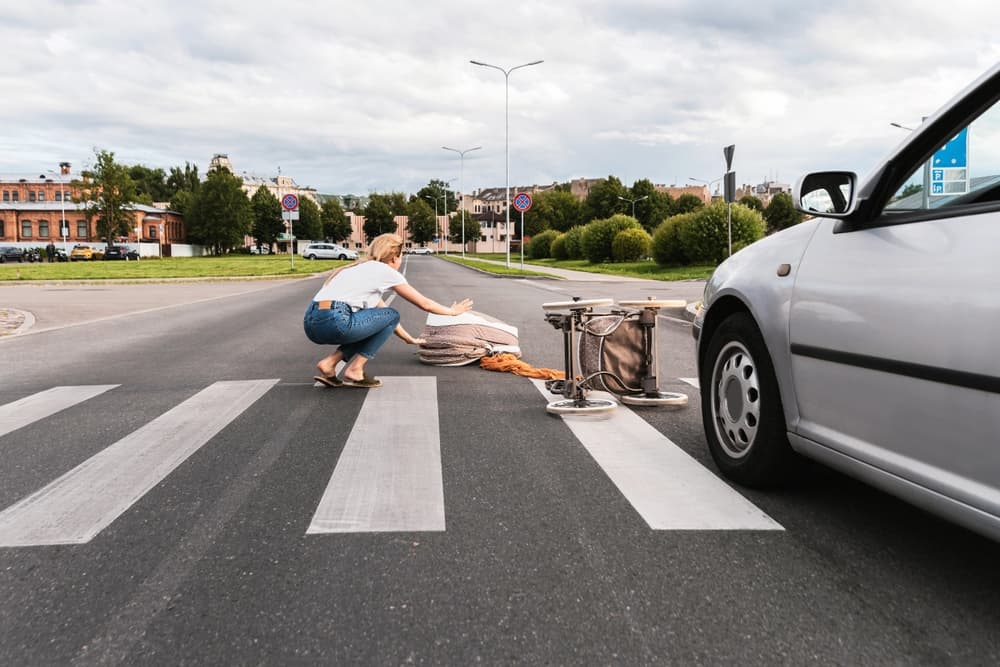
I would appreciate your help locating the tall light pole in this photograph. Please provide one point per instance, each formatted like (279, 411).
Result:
(633, 201)
(708, 184)
(436, 221)
(506, 141)
(62, 198)
(461, 184)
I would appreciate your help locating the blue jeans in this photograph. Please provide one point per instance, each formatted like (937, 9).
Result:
(362, 332)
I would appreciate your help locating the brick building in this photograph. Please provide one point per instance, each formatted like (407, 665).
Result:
(31, 208)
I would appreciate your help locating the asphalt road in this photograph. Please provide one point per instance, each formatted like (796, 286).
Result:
(550, 553)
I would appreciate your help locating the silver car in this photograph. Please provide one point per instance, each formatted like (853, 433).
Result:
(865, 337)
(328, 251)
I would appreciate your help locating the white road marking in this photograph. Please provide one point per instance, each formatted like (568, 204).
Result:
(81, 503)
(46, 403)
(388, 477)
(691, 381)
(668, 488)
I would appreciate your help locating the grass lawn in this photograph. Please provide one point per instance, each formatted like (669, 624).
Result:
(278, 266)
(227, 266)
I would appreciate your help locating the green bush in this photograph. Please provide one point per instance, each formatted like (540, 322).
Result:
(598, 236)
(667, 247)
(558, 248)
(706, 238)
(574, 242)
(539, 247)
(630, 245)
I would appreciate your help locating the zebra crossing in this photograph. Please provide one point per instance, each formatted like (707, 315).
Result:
(388, 478)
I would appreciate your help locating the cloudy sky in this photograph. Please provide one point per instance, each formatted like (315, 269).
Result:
(358, 97)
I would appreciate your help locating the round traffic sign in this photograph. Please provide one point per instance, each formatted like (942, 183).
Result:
(522, 202)
(289, 202)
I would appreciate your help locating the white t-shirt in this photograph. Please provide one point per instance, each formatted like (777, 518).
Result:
(361, 285)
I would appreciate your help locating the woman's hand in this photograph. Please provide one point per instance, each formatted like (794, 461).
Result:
(462, 306)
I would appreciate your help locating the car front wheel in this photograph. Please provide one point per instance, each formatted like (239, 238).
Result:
(311, 256)
(741, 407)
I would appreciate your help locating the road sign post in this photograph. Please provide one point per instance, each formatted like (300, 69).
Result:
(290, 204)
(522, 202)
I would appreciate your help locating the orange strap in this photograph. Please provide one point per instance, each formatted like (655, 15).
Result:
(509, 363)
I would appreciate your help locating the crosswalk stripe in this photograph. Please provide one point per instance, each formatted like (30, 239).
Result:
(78, 505)
(668, 488)
(388, 477)
(38, 406)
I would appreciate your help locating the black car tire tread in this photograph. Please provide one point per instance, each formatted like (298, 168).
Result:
(768, 459)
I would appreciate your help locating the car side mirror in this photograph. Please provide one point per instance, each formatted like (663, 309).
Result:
(829, 194)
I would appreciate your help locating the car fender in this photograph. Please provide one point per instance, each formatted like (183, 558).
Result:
(760, 279)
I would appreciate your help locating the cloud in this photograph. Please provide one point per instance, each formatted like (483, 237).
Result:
(353, 97)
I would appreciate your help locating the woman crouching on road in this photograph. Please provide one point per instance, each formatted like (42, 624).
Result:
(349, 311)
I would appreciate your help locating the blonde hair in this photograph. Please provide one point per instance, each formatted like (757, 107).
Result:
(383, 248)
(386, 247)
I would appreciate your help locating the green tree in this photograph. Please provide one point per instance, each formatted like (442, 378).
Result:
(780, 213)
(599, 235)
(753, 202)
(422, 226)
(309, 226)
(379, 217)
(183, 184)
(267, 222)
(186, 179)
(603, 200)
(686, 203)
(553, 209)
(336, 225)
(447, 202)
(150, 184)
(107, 192)
(705, 234)
(220, 214)
(473, 229)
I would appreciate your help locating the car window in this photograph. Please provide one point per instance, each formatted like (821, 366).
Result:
(963, 171)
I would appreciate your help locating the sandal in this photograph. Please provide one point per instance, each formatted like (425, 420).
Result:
(328, 380)
(367, 382)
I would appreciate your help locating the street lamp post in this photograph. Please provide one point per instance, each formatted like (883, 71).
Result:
(461, 184)
(708, 184)
(62, 198)
(436, 221)
(633, 201)
(506, 107)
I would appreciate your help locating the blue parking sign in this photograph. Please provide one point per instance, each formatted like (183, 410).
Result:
(950, 167)
(955, 153)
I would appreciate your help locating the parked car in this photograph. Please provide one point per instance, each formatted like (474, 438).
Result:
(32, 255)
(864, 338)
(328, 251)
(61, 255)
(9, 253)
(421, 251)
(260, 250)
(81, 252)
(120, 252)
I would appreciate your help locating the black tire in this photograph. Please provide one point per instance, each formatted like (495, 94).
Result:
(3, 260)
(741, 407)
(311, 256)
(341, 256)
